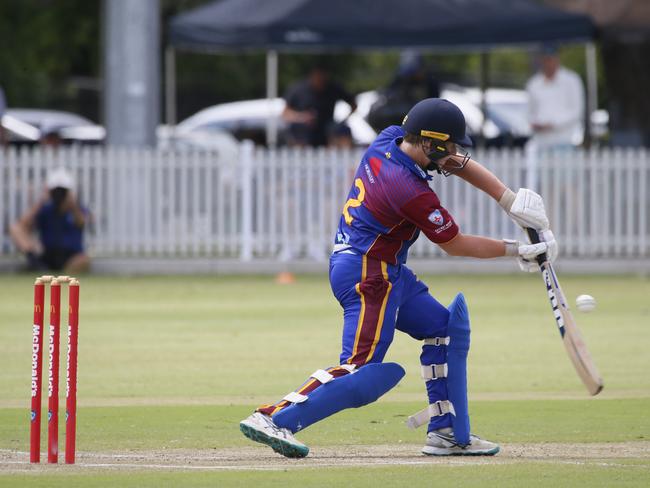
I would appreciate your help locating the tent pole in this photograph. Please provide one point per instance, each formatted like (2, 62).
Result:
(271, 94)
(484, 80)
(170, 85)
(592, 88)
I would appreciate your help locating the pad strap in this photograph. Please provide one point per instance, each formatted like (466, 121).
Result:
(349, 367)
(295, 397)
(364, 386)
(434, 371)
(322, 376)
(436, 341)
(319, 375)
(437, 409)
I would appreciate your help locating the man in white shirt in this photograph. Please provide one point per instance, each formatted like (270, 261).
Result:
(556, 101)
(556, 104)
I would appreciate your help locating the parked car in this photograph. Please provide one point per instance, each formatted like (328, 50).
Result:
(248, 120)
(27, 126)
(506, 110)
(241, 120)
(506, 125)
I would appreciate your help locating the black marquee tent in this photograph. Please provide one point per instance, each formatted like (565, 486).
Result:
(358, 24)
(328, 25)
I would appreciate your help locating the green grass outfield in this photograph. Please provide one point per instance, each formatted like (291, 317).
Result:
(171, 364)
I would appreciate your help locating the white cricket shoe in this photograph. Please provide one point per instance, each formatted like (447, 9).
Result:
(442, 443)
(260, 428)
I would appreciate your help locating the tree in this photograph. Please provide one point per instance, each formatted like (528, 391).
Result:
(43, 44)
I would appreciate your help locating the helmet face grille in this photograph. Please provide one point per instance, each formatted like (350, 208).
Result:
(452, 166)
(436, 152)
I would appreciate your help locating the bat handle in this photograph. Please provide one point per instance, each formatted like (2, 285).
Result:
(534, 239)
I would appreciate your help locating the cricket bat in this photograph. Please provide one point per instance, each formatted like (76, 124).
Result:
(571, 335)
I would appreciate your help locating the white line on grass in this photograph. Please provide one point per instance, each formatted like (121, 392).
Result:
(430, 462)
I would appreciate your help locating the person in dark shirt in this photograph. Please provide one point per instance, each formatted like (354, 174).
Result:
(310, 107)
(414, 78)
(413, 81)
(59, 221)
(339, 136)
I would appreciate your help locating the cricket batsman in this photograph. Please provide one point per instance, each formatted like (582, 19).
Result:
(389, 204)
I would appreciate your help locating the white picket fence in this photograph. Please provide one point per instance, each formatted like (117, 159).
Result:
(285, 204)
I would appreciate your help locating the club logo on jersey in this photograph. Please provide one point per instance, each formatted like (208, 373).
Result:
(436, 217)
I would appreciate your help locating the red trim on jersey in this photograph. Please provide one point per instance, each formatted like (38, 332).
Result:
(375, 165)
(387, 246)
(374, 290)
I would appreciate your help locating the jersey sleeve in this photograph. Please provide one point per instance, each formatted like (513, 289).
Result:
(430, 217)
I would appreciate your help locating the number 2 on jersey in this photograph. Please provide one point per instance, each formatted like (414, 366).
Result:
(354, 202)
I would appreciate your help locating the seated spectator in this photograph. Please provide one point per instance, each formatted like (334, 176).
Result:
(310, 107)
(340, 136)
(59, 221)
(50, 138)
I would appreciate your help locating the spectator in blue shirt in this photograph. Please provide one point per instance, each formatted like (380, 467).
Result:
(59, 221)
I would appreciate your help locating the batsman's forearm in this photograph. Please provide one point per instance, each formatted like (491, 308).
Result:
(474, 247)
(483, 179)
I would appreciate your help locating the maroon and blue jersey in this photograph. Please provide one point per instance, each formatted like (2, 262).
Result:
(390, 203)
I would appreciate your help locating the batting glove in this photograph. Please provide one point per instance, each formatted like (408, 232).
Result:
(526, 254)
(526, 208)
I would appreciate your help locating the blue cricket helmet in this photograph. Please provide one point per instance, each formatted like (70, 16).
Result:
(439, 119)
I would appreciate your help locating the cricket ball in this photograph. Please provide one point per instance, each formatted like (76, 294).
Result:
(586, 303)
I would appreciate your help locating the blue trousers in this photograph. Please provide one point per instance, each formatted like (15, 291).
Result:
(377, 298)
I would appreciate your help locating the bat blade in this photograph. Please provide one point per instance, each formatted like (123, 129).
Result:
(571, 335)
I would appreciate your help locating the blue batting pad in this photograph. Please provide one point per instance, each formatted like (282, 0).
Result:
(459, 332)
(353, 390)
(436, 389)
